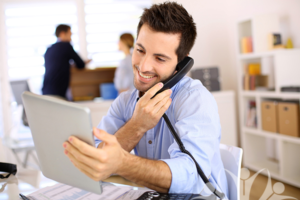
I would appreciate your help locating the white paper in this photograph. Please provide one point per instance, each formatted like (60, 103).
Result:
(134, 194)
(66, 192)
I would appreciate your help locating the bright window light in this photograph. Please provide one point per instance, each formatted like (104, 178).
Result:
(105, 21)
(30, 29)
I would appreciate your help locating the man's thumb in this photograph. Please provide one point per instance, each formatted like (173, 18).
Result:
(102, 135)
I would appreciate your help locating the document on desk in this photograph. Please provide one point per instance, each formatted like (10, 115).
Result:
(66, 192)
(134, 194)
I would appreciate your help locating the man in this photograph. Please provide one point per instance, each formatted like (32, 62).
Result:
(166, 34)
(57, 63)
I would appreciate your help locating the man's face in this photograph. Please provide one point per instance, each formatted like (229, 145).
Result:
(154, 57)
(66, 36)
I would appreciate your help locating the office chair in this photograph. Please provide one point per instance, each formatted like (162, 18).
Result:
(232, 159)
(20, 139)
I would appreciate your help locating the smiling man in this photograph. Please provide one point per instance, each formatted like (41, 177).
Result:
(166, 34)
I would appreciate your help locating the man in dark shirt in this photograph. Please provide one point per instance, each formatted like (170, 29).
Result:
(57, 63)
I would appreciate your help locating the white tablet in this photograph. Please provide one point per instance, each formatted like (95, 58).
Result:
(52, 121)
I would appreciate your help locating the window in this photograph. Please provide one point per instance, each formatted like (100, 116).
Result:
(30, 30)
(105, 22)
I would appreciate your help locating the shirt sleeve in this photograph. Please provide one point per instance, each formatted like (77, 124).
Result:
(114, 119)
(74, 56)
(198, 126)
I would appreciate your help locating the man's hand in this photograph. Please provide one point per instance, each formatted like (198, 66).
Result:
(98, 164)
(88, 61)
(149, 111)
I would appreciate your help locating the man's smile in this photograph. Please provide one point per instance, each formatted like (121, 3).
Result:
(145, 78)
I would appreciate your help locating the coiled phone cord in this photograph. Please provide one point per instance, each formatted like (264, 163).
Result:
(183, 150)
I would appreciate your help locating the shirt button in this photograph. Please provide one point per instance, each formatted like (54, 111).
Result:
(150, 142)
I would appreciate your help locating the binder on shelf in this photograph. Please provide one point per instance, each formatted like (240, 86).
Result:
(269, 116)
(255, 82)
(288, 117)
(246, 45)
(251, 119)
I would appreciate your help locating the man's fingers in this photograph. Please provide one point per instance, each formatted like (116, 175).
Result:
(76, 145)
(152, 91)
(164, 107)
(104, 136)
(84, 168)
(161, 105)
(90, 160)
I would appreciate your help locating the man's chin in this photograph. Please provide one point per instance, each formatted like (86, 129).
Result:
(144, 88)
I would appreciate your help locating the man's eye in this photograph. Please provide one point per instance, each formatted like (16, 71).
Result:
(140, 51)
(159, 59)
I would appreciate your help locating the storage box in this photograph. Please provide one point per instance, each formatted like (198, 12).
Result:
(269, 116)
(288, 118)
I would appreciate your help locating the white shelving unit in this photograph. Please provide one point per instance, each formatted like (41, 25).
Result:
(284, 66)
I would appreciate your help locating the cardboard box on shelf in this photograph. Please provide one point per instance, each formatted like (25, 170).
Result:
(288, 118)
(269, 116)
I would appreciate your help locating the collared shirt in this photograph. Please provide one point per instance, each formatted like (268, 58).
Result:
(194, 115)
(123, 79)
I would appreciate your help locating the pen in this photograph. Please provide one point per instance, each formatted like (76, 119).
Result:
(23, 197)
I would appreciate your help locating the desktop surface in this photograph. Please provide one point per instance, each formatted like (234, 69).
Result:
(28, 181)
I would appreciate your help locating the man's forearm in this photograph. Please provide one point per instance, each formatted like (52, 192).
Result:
(128, 136)
(154, 174)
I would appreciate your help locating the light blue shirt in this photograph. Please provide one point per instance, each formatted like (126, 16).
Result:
(194, 115)
(123, 79)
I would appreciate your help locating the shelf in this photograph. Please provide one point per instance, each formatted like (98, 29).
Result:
(272, 166)
(267, 134)
(271, 94)
(263, 149)
(290, 164)
(256, 55)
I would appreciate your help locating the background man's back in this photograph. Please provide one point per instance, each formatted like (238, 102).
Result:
(57, 74)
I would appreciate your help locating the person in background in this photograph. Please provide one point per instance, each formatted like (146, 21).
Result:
(57, 63)
(123, 79)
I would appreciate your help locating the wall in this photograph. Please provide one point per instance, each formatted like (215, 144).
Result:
(216, 44)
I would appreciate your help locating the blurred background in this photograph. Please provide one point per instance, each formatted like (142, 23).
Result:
(238, 40)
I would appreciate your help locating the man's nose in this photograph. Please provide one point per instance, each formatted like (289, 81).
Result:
(146, 64)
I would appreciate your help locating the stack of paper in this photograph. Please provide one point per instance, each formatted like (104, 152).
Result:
(66, 192)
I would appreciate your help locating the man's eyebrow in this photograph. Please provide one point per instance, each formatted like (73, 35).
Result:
(157, 54)
(162, 55)
(141, 46)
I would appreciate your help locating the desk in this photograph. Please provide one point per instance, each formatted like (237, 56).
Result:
(29, 181)
(84, 83)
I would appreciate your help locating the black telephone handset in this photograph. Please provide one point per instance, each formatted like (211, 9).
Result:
(183, 67)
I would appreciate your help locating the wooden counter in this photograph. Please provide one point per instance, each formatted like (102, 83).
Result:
(84, 83)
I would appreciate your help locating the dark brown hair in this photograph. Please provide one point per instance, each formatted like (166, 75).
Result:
(170, 17)
(128, 39)
(62, 28)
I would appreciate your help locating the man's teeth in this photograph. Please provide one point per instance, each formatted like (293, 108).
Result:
(145, 76)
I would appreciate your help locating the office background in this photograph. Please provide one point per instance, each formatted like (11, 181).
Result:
(96, 26)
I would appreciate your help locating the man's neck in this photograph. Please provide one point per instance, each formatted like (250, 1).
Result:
(59, 39)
